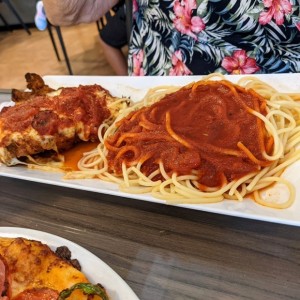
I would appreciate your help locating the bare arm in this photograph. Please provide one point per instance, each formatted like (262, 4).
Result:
(71, 12)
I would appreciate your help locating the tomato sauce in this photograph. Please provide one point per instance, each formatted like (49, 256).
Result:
(51, 115)
(73, 155)
(195, 129)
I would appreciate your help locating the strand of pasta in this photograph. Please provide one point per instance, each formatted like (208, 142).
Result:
(286, 204)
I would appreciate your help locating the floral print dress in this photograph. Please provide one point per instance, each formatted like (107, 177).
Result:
(186, 37)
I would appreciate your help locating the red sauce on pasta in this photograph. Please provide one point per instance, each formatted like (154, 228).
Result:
(195, 130)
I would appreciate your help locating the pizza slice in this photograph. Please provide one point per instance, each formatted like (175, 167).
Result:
(30, 270)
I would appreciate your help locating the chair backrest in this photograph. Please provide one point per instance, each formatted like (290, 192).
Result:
(16, 14)
(101, 23)
(128, 8)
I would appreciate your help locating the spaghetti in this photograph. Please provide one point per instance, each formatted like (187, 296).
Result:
(202, 143)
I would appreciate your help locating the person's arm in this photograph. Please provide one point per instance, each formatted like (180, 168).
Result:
(71, 12)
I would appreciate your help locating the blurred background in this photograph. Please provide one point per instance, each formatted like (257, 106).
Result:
(24, 48)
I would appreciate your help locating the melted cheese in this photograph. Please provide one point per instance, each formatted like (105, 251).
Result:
(56, 121)
(33, 265)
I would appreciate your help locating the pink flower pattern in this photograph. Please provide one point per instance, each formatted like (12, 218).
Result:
(179, 67)
(194, 37)
(240, 63)
(276, 9)
(184, 22)
(135, 7)
(138, 64)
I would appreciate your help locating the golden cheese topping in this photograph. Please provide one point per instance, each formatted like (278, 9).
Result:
(35, 269)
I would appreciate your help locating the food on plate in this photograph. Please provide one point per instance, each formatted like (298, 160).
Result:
(30, 270)
(205, 142)
(5, 292)
(47, 122)
(201, 143)
(36, 87)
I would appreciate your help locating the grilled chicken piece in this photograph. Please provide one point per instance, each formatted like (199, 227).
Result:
(53, 121)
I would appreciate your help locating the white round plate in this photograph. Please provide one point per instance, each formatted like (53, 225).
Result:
(93, 267)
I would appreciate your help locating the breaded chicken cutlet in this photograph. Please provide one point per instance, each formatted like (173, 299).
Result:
(44, 119)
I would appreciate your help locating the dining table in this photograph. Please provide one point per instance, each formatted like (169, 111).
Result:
(162, 251)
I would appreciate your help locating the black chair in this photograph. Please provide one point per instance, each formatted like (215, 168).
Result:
(62, 44)
(5, 23)
(128, 19)
(16, 14)
(128, 5)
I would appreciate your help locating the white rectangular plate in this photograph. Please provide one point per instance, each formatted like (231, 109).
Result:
(136, 87)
